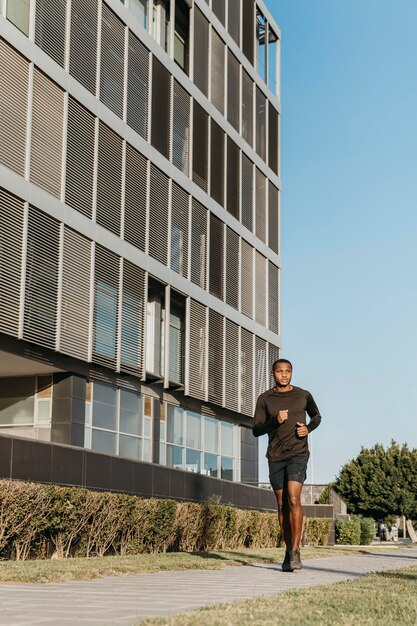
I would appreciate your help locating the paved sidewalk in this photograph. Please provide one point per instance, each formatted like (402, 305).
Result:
(123, 600)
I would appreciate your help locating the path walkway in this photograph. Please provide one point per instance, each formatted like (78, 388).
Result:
(123, 600)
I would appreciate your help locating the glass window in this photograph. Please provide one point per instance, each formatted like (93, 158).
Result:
(210, 434)
(147, 450)
(103, 441)
(160, 23)
(104, 407)
(227, 468)
(227, 438)
(18, 13)
(130, 447)
(174, 457)
(106, 319)
(210, 464)
(193, 430)
(181, 34)
(17, 401)
(139, 8)
(176, 343)
(193, 461)
(175, 425)
(147, 426)
(130, 413)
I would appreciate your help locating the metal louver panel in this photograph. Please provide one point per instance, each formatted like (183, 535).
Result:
(181, 129)
(158, 216)
(273, 355)
(218, 8)
(179, 230)
(233, 91)
(199, 244)
(137, 86)
(247, 108)
(273, 139)
(106, 306)
(216, 256)
(11, 233)
(273, 217)
(112, 61)
(50, 25)
(201, 51)
(14, 80)
(260, 289)
(260, 366)
(273, 297)
(246, 372)
(83, 42)
(161, 107)
(246, 280)
(41, 279)
(198, 350)
(215, 373)
(260, 124)
(217, 145)
(232, 268)
(200, 146)
(109, 179)
(247, 192)
(136, 193)
(260, 206)
(231, 367)
(47, 125)
(80, 158)
(133, 319)
(233, 178)
(75, 306)
(233, 22)
(248, 32)
(217, 71)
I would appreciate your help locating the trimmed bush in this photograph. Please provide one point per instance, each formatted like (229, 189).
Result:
(316, 531)
(367, 529)
(348, 532)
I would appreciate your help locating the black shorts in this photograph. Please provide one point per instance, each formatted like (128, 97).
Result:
(280, 472)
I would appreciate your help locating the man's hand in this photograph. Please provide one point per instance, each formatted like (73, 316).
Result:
(302, 430)
(282, 416)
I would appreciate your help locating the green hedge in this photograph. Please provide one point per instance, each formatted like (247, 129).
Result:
(316, 531)
(40, 521)
(348, 532)
(367, 529)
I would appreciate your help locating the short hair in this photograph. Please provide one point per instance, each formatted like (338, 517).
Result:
(275, 363)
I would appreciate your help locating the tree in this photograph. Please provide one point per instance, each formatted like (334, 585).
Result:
(380, 482)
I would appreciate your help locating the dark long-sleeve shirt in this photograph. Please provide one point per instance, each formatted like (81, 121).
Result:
(284, 442)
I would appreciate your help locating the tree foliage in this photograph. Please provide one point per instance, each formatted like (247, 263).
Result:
(380, 482)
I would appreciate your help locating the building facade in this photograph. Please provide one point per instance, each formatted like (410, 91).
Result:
(139, 227)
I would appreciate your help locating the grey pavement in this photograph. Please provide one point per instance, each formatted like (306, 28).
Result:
(127, 599)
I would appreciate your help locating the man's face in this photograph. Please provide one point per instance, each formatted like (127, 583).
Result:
(282, 374)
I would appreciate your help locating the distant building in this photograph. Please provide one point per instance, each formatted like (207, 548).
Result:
(139, 238)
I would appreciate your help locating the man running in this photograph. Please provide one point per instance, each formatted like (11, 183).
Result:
(281, 412)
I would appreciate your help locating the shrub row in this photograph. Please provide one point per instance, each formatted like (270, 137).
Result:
(39, 521)
(356, 531)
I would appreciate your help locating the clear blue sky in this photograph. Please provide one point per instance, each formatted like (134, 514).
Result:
(349, 219)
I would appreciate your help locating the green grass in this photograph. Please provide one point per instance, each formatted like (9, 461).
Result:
(55, 570)
(383, 599)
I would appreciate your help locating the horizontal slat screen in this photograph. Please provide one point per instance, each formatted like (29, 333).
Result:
(137, 86)
(260, 206)
(14, 81)
(246, 303)
(50, 27)
(260, 366)
(215, 373)
(217, 147)
(198, 351)
(41, 279)
(248, 33)
(233, 91)
(273, 297)
(80, 158)
(231, 367)
(11, 233)
(260, 124)
(246, 372)
(106, 306)
(83, 43)
(247, 192)
(181, 129)
(159, 216)
(273, 142)
(217, 71)
(179, 230)
(216, 256)
(233, 178)
(260, 288)
(136, 193)
(219, 10)
(201, 51)
(47, 127)
(233, 22)
(112, 61)
(161, 107)
(273, 218)
(272, 357)
(133, 319)
(200, 146)
(199, 244)
(232, 268)
(75, 305)
(109, 179)
(247, 108)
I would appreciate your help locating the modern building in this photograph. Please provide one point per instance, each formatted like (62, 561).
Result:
(139, 239)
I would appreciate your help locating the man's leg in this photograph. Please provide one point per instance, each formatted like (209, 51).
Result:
(284, 516)
(295, 512)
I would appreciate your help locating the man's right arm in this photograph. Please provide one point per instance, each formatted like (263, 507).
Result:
(261, 424)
